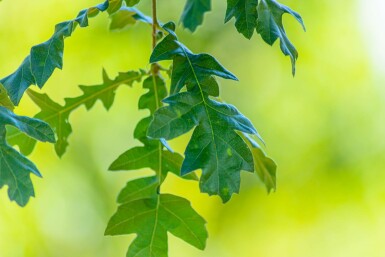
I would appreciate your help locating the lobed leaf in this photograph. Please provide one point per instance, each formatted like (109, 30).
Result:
(58, 116)
(15, 168)
(151, 218)
(193, 13)
(270, 27)
(215, 146)
(46, 57)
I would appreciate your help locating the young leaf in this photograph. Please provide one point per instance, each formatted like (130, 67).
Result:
(151, 218)
(193, 13)
(245, 14)
(58, 116)
(4, 99)
(15, 169)
(127, 16)
(270, 27)
(46, 57)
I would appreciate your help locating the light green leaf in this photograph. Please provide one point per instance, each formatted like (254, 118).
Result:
(264, 166)
(245, 14)
(15, 169)
(58, 116)
(4, 99)
(193, 13)
(127, 16)
(148, 157)
(270, 27)
(151, 218)
(46, 57)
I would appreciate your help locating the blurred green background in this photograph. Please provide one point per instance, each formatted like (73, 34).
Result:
(324, 128)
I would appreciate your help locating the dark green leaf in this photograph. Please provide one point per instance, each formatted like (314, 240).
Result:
(15, 169)
(58, 116)
(215, 147)
(188, 67)
(46, 57)
(270, 27)
(193, 13)
(151, 218)
(245, 13)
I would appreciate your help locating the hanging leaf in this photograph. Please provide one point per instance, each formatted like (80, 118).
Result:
(193, 13)
(15, 169)
(215, 146)
(270, 27)
(58, 116)
(152, 217)
(245, 14)
(46, 57)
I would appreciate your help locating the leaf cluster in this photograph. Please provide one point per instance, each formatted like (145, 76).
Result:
(223, 143)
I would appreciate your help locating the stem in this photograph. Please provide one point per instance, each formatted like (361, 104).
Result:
(154, 23)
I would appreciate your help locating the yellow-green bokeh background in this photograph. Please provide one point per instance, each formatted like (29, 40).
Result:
(325, 128)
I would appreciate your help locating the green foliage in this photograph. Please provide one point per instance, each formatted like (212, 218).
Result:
(16, 168)
(58, 116)
(222, 143)
(215, 147)
(46, 57)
